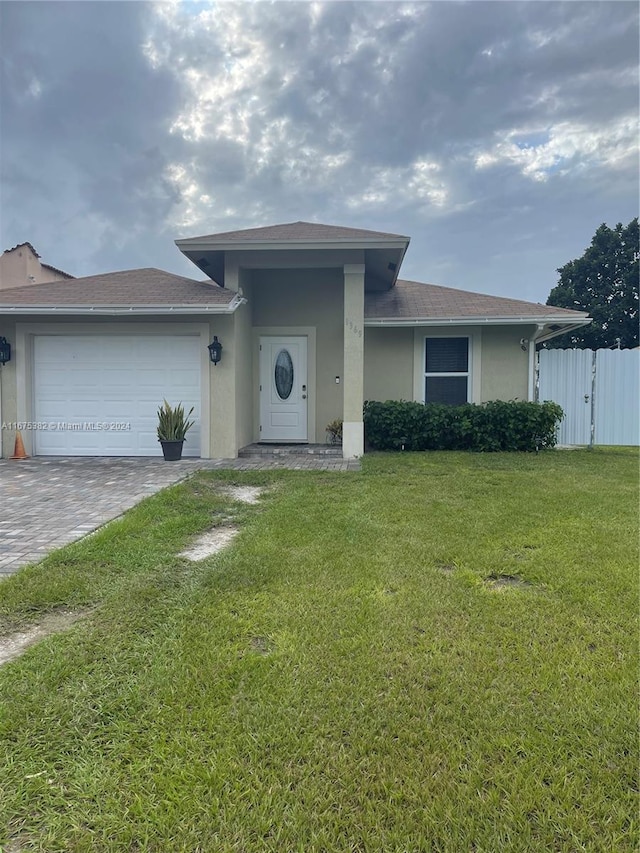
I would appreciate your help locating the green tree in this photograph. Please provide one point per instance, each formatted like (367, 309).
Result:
(604, 282)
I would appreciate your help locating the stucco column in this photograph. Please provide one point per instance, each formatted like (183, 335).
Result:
(353, 373)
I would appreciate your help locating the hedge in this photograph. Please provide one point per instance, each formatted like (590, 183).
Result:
(494, 426)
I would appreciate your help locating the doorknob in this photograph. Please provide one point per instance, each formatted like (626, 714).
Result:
(304, 396)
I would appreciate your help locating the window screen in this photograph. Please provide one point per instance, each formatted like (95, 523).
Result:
(447, 355)
(446, 371)
(446, 389)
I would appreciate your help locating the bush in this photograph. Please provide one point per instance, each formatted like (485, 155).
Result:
(494, 426)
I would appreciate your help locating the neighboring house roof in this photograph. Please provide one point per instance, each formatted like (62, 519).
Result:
(145, 291)
(55, 269)
(412, 302)
(291, 232)
(46, 266)
(19, 246)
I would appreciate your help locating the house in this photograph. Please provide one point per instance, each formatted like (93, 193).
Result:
(21, 266)
(312, 319)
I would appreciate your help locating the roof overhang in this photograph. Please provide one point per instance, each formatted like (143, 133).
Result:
(120, 310)
(383, 257)
(562, 323)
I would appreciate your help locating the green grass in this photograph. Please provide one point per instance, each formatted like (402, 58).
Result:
(343, 678)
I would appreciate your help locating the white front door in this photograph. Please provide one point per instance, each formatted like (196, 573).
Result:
(283, 389)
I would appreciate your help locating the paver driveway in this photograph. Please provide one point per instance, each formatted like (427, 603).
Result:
(48, 502)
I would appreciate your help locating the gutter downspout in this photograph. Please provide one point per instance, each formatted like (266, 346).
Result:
(533, 387)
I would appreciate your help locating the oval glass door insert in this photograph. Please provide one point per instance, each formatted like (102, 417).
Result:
(283, 374)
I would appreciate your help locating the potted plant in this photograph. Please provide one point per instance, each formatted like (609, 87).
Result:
(334, 431)
(173, 426)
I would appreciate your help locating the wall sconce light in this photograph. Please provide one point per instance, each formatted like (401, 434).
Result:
(524, 343)
(215, 350)
(5, 350)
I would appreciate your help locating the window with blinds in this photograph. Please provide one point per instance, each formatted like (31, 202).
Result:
(446, 377)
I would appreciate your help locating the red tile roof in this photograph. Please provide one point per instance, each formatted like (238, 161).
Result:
(129, 287)
(410, 300)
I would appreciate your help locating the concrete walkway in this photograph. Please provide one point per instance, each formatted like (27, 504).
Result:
(48, 502)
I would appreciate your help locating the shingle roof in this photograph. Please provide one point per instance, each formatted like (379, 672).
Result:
(130, 287)
(413, 300)
(298, 231)
(408, 300)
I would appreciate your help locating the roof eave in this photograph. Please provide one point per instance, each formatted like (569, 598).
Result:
(194, 245)
(120, 310)
(403, 252)
(546, 336)
(475, 321)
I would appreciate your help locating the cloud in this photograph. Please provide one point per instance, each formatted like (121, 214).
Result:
(541, 153)
(129, 124)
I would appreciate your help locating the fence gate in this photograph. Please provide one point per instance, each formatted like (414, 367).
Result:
(599, 392)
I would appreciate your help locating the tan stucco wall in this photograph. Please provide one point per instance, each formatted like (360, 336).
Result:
(8, 390)
(16, 265)
(222, 389)
(244, 367)
(505, 367)
(291, 299)
(394, 362)
(388, 364)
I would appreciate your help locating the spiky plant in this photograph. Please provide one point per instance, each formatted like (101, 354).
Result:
(173, 424)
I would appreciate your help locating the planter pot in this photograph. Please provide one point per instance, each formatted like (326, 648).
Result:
(172, 450)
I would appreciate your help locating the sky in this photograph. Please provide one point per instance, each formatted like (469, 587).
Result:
(496, 135)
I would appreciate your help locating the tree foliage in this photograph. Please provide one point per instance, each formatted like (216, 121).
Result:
(604, 282)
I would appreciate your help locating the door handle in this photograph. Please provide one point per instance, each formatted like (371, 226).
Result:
(304, 396)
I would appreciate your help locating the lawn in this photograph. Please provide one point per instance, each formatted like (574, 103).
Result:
(436, 654)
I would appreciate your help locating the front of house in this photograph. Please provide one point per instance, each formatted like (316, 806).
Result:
(312, 319)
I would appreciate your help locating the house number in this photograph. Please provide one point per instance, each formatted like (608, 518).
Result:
(353, 327)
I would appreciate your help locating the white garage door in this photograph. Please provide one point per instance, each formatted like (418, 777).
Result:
(97, 395)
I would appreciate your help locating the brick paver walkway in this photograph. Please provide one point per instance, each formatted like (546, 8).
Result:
(48, 502)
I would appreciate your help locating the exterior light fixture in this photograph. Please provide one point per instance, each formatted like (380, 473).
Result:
(215, 350)
(5, 350)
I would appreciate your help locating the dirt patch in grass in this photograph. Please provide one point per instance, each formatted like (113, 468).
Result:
(499, 581)
(261, 645)
(447, 568)
(243, 494)
(210, 543)
(15, 644)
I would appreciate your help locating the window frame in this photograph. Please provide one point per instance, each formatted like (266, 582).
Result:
(468, 374)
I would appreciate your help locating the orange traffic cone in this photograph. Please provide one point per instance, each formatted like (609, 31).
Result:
(18, 451)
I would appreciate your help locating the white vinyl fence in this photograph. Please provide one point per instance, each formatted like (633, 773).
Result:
(598, 390)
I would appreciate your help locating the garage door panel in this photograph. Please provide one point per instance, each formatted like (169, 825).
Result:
(88, 380)
(88, 443)
(118, 410)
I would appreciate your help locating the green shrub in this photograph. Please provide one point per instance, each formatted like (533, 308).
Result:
(494, 426)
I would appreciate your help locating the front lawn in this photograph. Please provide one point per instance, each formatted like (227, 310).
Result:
(436, 654)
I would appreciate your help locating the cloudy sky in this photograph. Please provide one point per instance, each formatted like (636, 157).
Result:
(497, 135)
